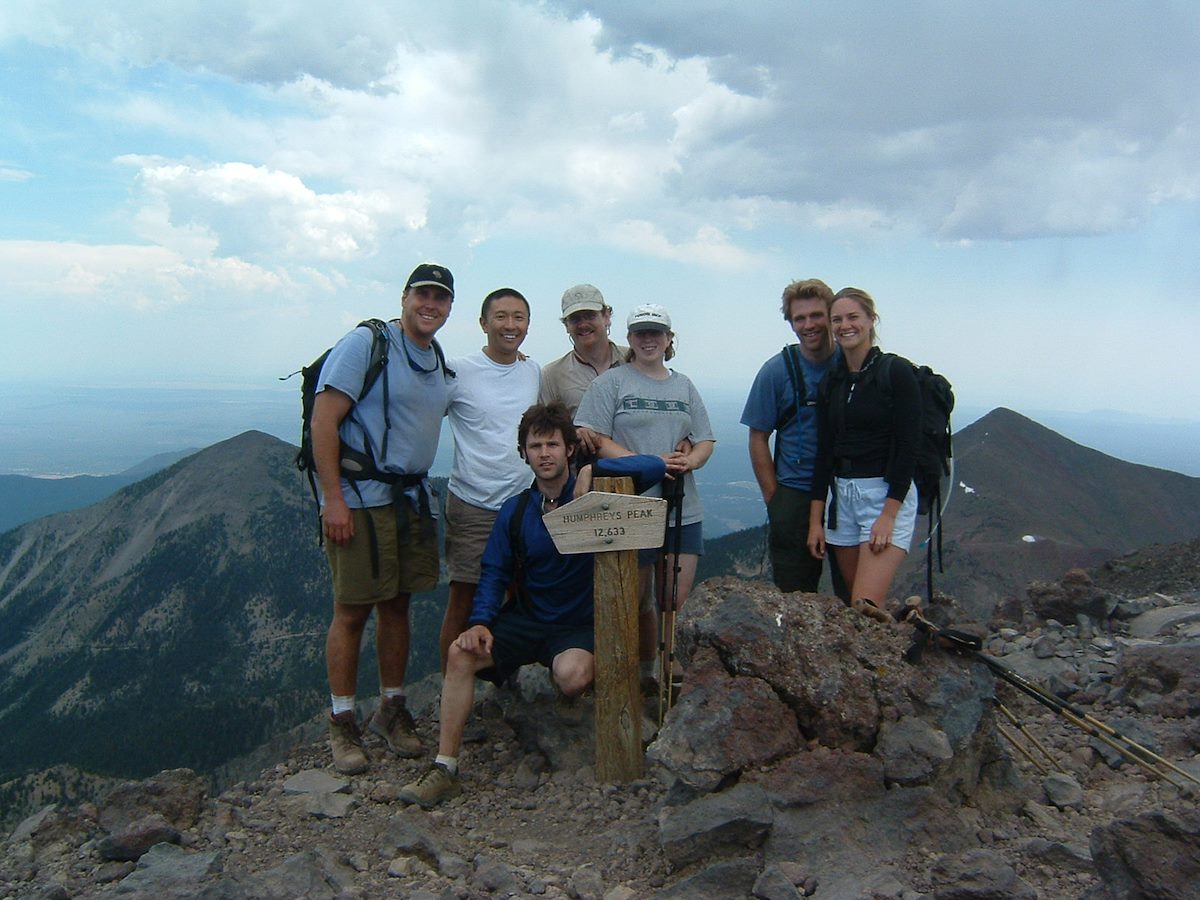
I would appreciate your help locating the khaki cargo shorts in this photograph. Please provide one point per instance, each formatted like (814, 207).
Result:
(408, 563)
(467, 530)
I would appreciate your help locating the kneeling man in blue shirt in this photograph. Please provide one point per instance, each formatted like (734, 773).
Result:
(550, 619)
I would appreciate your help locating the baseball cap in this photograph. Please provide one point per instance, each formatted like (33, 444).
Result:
(433, 275)
(581, 297)
(649, 317)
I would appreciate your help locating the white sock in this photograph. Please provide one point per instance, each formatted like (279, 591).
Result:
(449, 762)
(391, 693)
(342, 704)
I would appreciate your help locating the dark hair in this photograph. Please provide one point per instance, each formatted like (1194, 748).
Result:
(497, 294)
(546, 418)
(806, 289)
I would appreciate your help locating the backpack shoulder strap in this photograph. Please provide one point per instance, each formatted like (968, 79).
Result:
(516, 540)
(379, 355)
(447, 372)
(791, 361)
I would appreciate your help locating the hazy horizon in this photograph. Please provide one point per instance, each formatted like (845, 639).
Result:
(52, 431)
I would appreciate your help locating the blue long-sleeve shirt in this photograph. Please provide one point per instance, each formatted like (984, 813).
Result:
(557, 587)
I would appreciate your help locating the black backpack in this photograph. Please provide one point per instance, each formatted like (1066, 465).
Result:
(934, 450)
(356, 464)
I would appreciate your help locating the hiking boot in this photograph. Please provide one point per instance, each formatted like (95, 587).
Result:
(437, 785)
(345, 741)
(394, 723)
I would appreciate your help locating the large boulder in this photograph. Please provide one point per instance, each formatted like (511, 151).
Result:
(1167, 675)
(836, 677)
(178, 795)
(1156, 854)
(1073, 596)
(722, 725)
(857, 752)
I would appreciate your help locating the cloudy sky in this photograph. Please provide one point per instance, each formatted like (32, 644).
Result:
(209, 193)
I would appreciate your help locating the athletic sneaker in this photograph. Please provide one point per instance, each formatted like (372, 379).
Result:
(394, 723)
(345, 742)
(435, 786)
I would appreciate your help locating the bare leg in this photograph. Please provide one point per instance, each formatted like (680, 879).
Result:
(341, 647)
(847, 560)
(647, 621)
(874, 573)
(687, 575)
(458, 695)
(454, 622)
(392, 640)
(573, 671)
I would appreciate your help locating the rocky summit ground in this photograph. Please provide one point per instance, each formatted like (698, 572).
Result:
(880, 799)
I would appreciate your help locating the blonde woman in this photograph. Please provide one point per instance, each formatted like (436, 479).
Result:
(868, 428)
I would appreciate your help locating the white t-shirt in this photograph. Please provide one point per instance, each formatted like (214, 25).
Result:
(487, 400)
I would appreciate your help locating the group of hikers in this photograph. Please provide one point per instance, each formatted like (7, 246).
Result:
(839, 476)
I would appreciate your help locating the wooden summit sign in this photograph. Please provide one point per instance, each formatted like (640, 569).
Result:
(598, 521)
(613, 524)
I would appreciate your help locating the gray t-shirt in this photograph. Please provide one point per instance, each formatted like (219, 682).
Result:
(417, 401)
(645, 415)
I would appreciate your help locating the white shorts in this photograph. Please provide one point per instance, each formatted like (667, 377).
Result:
(859, 503)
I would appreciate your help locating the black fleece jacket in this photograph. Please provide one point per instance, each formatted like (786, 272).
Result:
(866, 428)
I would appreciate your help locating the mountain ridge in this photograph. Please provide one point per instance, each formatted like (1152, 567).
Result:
(181, 621)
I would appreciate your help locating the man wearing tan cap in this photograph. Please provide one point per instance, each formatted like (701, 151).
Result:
(587, 319)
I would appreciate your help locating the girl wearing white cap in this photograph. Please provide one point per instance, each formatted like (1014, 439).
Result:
(644, 407)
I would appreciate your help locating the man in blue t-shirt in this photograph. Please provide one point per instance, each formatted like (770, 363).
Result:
(372, 453)
(549, 621)
(783, 401)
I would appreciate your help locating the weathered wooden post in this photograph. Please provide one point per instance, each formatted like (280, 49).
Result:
(613, 524)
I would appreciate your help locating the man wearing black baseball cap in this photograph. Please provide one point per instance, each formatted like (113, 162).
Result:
(373, 449)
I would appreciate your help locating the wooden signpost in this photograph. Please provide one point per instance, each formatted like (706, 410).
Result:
(613, 524)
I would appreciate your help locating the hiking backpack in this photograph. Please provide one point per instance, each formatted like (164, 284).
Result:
(934, 451)
(356, 465)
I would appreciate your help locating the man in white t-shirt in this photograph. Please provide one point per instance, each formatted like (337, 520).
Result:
(492, 390)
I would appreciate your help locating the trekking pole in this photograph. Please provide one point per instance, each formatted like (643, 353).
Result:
(1106, 734)
(675, 570)
(1008, 714)
(1126, 746)
(1007, 735)
(661, 588)
(673, 493)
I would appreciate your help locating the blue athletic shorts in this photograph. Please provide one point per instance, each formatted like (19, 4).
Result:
(691, 540)
(520, 640)
(859, 503)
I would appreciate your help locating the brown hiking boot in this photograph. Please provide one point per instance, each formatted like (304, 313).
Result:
(437, 785)
(394, 723)
(345, 741)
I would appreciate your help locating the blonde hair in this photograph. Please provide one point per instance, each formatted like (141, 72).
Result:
(864, 300)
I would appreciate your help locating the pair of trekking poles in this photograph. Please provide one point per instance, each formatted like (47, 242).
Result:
(668, 600)
(972, 646)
